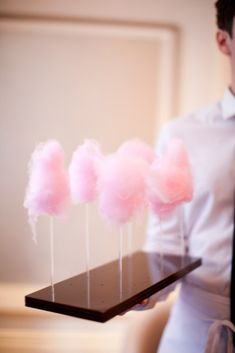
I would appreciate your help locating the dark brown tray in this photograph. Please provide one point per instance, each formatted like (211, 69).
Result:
(105, 294)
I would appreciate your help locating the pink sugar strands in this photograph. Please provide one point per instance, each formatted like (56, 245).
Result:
(83, 172)
(122, 188)
(48, 189)
(137, 148)
(170, 180)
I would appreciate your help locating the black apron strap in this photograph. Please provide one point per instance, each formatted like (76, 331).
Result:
(232, 289)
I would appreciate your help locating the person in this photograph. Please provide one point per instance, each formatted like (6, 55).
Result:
(200, 318)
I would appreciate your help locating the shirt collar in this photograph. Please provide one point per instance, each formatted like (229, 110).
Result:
(228, 105)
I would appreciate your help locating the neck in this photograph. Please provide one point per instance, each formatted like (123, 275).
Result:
(232, 72)
(232, 86)
(232, 89)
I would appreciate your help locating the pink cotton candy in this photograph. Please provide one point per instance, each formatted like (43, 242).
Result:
(122, 192)
(48, 189)
(83, 172)
(137, 149)
(160, 208)
(170, 180)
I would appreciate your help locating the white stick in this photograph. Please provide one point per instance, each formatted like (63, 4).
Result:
(181, 224)
(32, 223)
(120, 261)
(130, 239)
(88, 290)
(87, 235)
(161, 240)
(130, 273)
(130, 257)
(52, 256)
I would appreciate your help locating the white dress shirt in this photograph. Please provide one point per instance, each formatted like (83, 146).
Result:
(200, 318)
(209, 135)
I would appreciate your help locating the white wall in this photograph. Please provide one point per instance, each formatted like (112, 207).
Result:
(203, 71)
(56, 82)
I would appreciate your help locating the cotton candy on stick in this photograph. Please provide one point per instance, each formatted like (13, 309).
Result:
(83, 173)
(121, 192)
(48, 189)
(170, 181)
(178, 155)
(136, 148)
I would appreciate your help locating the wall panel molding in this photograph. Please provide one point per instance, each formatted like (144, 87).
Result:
(166, 34)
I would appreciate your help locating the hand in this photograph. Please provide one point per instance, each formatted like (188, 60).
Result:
(138, 307)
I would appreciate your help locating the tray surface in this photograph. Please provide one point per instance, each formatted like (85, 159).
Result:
(104, 293)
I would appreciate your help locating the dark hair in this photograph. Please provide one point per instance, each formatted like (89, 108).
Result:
(225, 12)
